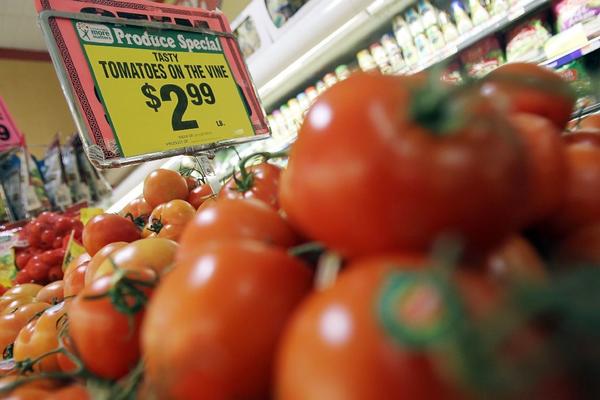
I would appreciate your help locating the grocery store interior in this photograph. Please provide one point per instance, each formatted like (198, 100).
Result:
(299, 199)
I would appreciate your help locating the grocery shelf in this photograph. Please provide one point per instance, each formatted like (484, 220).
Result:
(572, 55)
(494, 24)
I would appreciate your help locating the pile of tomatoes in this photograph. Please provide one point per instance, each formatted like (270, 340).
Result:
(454, 233)
(46, 237)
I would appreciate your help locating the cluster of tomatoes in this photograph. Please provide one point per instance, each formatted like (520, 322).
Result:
(433, 218)
(47, 236)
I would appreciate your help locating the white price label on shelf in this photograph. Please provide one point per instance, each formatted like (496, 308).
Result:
(515, 12)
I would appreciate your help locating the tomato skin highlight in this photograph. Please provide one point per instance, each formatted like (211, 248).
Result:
(108, 228)
(364, 178)
(106, 342)
(164, 185)
(228, 307)
(265, 185)
(99, 258)
(199, 195)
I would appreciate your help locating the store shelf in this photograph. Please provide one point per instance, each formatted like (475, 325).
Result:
(559, 61)
(494, 24)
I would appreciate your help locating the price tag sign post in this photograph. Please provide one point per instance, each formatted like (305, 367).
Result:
(146, 88)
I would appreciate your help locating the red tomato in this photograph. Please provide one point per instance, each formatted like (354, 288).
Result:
(582, 193)
(75, 280)
(546, 165)
(529, 88)
(582, 246)
(53, 257)
(99, 258)
(262, 184)
(51, 293)
(590, 122)
(64, 225)
(27, 393)
(168, 220)
(157, 254)
(71, 392)
(55, 273)
(199, 195)
(589, 137)
(39, 337)
(38, 269)
(47, 239)
(106, 338)
(30, 289)
(108, 228)
(336, 348)
(236, 219)
(139, 210)
(366, 176)
(191, 182)
(227, 314)
(164, 185)
(22, 258)
(11, 324)
(516, 260)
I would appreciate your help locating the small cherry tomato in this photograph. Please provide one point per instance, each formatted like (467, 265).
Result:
(261, 182)
(164, 185)
(199, 195)
(108, 228)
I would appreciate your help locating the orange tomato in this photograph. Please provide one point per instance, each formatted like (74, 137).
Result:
(11, 324)
(164, 185)
(168, 220)
(76, 262)
(153, 253)
(75, 281)
(51, 293)
(39, 337)
(99, 258)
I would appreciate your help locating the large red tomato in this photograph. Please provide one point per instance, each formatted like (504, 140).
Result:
(107, 338)
(11, 324)
(261, 182)
(236, 219)
(546, 167)
(108, 228)
(367, 174)
(582, 193)
(164, 185)
(226, 309)
(99, 259)
(339, 346)
(590, 122)
(529, 88)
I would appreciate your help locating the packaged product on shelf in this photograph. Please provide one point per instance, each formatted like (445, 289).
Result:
(413, 20)
(448, 28)
(576, 74)
(320, 87)
(461, 18)
(98, 186)
(80, 192)
(393, 52)
(14, 183)
(405, 41)
(478, 12)
(311, 93)
(452, 73)
(56, 177)
(423, 46)
(37, 197)
(381, 59)
(342, 72)
(5, 211)
(280, 122)
(435, 37)
(296, 111)
(525, 42)
(483, 57)
(571, 12)
(365, 61)
(282, 10)
(274, 126)
(248, 37)
(330, 79)
(290, 121)
(496, 7)
(428, 13)
(304, 101)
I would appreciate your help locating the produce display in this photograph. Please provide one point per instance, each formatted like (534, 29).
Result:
(424, 241)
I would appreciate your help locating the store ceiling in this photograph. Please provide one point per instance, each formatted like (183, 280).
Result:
(18, 26)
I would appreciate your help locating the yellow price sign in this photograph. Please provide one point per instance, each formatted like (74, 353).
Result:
(166, 90)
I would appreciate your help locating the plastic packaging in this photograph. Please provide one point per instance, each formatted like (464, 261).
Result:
(405, 41)
(393, 52)
(448, 28)
(380, 57)
(483, 57)
(478, 13)
(413, 20)
(428, 14)
(571, 12)
(365, 61)
(525, 42)
(342, 72)
(463, 22)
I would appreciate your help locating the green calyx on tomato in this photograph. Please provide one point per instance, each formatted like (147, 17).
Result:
(431, 106)
(127, 293)
(245, 181)
(140, 221)
(418, 309)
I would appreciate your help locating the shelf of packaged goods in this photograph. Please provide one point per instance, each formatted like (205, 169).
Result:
(559, 61)
(493, 25)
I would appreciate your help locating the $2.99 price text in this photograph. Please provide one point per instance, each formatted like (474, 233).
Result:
(196, 94)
